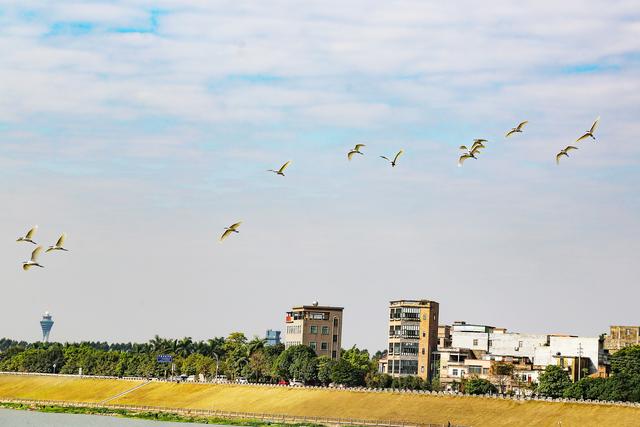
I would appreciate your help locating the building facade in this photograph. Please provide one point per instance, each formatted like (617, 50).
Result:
(272, 337)
(413, 338)
(46, 324)
(620, 337)
(319, 327)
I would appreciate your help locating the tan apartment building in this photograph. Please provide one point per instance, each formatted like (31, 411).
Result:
(319, 327)
(413, 338)
(620, 337)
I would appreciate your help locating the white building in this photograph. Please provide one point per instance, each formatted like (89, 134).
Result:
(540, 349)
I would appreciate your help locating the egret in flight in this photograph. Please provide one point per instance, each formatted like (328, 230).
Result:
(281, 170)
(355, 150)
(564, 153)
(395, 159)
(231, 229)
(26, 265)
(29, 236)
(59, 246)
(517, 129)
(590, 132)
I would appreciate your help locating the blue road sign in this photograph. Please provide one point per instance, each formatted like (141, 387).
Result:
(164, 358)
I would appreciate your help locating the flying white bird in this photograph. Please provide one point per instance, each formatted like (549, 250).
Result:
(517, 129)
(281, 170)
(465, 156)
(29, 236)
(395, 159)
(231, 229)
(26, 265)
(589, 133)
(355, 150)
(59, 246)
(564, 153)
(471, 154)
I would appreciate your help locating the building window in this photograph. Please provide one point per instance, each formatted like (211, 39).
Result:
(335, 323)
(335, 338)
(324, 346)
(422, 350)
(490, 343)
(333, 354)
(475, 342)
(454, 372)
(314, 329)
(422, 369)
(475, 370)
(325, 330)
(312, 344)
(519, 343)
(424, 317)
(485, 371)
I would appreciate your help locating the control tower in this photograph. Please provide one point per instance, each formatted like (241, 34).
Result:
(46, 323)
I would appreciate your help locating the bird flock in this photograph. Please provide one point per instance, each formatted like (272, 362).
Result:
(478, 144)
(33, 261)
(471, 152)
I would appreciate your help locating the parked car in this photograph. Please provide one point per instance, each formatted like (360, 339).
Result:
(241, 380)
(296, 383)
(283, 382)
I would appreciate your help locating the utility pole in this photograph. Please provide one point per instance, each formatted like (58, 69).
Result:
(579, 360)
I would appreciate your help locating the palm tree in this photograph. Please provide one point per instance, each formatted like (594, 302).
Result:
(184, 346)
(256, 344)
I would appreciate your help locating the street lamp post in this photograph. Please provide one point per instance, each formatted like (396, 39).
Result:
(217, 363)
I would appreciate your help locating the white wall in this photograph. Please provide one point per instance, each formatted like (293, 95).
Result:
(505, 344)
(466, 339)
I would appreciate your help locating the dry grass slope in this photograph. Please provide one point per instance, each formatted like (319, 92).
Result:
(61, 388)
(476, 412)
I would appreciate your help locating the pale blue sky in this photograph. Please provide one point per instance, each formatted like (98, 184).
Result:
(143, 129)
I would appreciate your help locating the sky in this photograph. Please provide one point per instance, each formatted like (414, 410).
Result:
(142, 129)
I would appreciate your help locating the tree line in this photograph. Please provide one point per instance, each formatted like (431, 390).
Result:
(234, 356)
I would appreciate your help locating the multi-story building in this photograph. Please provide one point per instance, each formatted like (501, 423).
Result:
(578, 355)
(272, 337)
(620, 337)
(413, 338)
(46, 324)
(319, 327)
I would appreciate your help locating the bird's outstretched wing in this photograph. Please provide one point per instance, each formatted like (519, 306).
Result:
(522, 125)
(26, 267)
(463, 158)
(463, 147)
(594, 126)
(286, 165)
(60, 242)
(386, 158)
(225, 234)
(350, 154)
(511, 132)
(358, 147)
(570, 147)
(586, 135)
(236, 225)
(560, 154)
(475, 151)
(395, 159)
(480, 140)
(36, 253)
(32, 232)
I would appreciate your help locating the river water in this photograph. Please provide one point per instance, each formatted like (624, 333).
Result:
(20, 418)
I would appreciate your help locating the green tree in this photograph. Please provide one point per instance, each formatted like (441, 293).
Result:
(325, 368)
(553, 381)
(297, 361)
(475, 385)
(626, 361)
